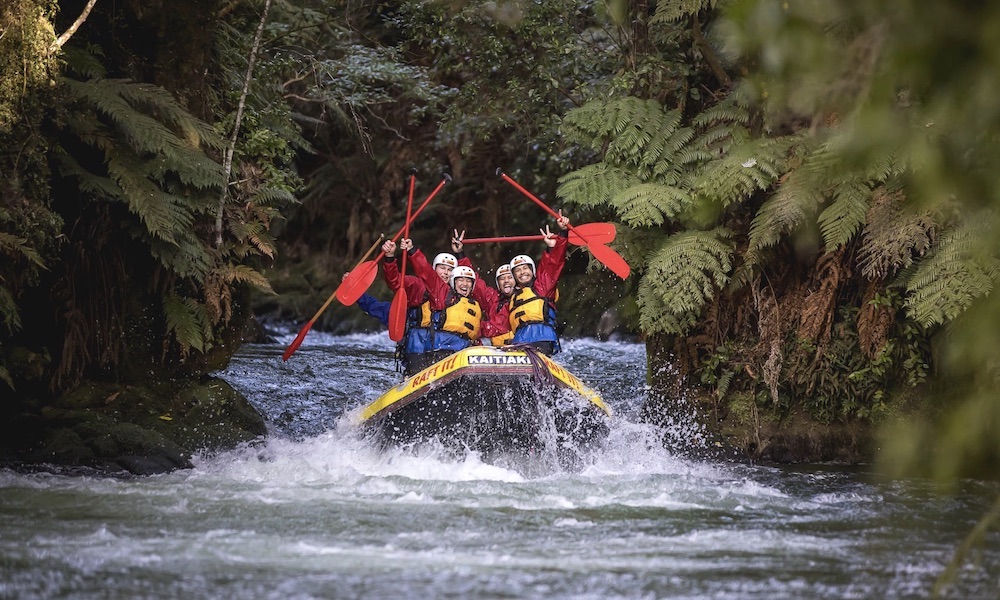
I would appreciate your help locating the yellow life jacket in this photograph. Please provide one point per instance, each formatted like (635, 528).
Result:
(463, 317)
(419, 316)
(503, 339)
(527, 307)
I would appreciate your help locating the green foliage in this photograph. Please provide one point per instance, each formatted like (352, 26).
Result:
(12, 248)
(785, 211)
(657, 173)
(152, 158)
(25, 61)
(683, 275)
(960, 270)
(189, 322)
(845, 216)
(674, 10)
(595, 185)
(894, 236)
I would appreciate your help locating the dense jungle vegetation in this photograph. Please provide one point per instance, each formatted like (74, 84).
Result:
(806, 191)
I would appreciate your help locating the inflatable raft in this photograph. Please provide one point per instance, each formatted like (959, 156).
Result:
(491, 400)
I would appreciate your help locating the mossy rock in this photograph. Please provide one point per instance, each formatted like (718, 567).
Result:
(141, 429)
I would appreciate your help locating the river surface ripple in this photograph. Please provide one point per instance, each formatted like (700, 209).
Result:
(316, 512)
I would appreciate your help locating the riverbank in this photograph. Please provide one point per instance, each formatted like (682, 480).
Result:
(129, 429)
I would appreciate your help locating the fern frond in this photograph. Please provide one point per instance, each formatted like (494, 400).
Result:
(960, 269)
(649, 204)
(186, 255)
(271, 196)
(5, 377)
(600, 121)
(794, 202)
(188, 321)
(845, 216)
(751, 167)
(161, 213)
(682, 276)
(632, 137)
(8, 311)
(893, 237)
(668, 12)
(249, 275)
(256, 234)
(13, 246)
(594, 185)
(731, 111)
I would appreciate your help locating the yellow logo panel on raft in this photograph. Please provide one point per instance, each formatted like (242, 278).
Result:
(473, 360)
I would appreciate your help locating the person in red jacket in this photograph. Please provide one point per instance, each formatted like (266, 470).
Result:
(532, 306)
(417, 343)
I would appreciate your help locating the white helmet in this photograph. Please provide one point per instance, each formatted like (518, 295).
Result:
(522, 259)
(445, 259)
(502, 270)
(462, 272)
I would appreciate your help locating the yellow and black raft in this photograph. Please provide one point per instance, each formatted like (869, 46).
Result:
(507, 399)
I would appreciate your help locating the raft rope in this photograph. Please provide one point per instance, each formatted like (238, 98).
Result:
(540, 374)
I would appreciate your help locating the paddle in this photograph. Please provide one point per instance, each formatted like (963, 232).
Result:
(397, 310)
(602, 253)
(305, 328)
(358, 280)
(596, 233)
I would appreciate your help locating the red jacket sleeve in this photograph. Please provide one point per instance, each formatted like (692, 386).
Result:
(550, 267)
(415, 288)
(390, 272)
(438, 289)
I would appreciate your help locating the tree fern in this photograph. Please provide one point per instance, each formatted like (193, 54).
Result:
(597, 123)
(682, 276)
(961, 269)
(143, 157)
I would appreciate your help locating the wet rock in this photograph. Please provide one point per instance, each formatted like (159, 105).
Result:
(147, 429)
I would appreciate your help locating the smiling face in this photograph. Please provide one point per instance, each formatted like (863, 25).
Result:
(505, 283)
(523, 274)
(463, 285)
(443, 271)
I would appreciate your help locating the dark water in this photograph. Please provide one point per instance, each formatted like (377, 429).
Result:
(318, 513)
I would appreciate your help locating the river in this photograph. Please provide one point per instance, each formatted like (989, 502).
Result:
(316, 512)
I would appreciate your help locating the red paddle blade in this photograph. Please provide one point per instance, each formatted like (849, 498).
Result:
(357, 282)
(610, 259)
(397, 315)
(592, 233)
(297, 341)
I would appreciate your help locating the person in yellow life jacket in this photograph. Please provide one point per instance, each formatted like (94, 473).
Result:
(496, 322)
(532, 306)
(455, 315)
